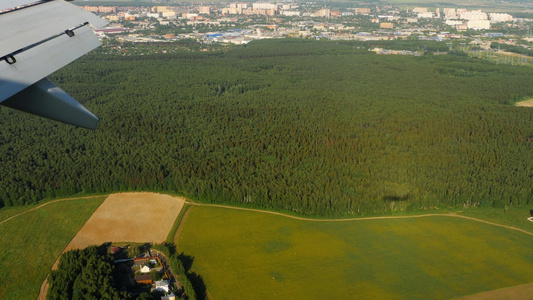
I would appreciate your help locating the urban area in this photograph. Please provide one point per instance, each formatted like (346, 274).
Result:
(473, 31)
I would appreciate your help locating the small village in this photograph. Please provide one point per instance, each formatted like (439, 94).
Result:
(143, 271)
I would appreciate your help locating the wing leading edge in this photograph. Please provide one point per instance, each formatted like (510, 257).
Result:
(40, 38)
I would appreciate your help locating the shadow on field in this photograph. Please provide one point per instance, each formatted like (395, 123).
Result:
(171, 248)
(186, 260)
(198, 284)
(196, 280)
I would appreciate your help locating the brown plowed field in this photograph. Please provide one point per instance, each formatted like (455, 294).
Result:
(130, 217)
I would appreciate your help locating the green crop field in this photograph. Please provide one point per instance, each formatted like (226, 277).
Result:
(252, 255)
(8, 212)
(31, 243)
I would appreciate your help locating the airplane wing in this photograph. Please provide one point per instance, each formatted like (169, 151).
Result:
(37, 39)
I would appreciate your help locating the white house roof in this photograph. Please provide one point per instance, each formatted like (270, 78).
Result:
(162, 283)
(145, 269)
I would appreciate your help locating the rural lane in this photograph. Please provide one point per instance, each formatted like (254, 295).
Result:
(44, 204)
(454, 215)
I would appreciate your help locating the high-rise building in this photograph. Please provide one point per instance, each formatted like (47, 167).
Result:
(474, 15)
(161, 9)
(362, 11)
(325, 12)
(478, 24)
(204, 10)
(449, 13)
(264, 5)
(420, 10)
(496, 17)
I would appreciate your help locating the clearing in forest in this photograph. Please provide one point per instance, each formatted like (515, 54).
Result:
(130, 217)
(527, 103)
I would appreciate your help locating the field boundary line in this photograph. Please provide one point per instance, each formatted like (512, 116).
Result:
(495, 224)
(176, 236)
(44, 204)
(363, 218)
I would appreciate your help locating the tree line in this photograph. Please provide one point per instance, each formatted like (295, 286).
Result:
(193, 286)
(512, 48)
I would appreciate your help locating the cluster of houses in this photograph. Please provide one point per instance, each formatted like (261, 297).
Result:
(143, 268)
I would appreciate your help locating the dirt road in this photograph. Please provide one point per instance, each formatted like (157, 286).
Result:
(454, 215)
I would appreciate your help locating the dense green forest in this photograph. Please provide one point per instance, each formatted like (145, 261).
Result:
(318, 128)
(84, 274)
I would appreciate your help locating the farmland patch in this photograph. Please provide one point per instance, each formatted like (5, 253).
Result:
(245, 255)
(130, 217)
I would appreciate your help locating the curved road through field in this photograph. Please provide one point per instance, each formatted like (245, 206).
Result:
(44, 204)
(294, 217)
(519, 292)
(363, 218)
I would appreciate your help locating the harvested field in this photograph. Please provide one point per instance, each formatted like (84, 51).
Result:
(527, 103)
(519, 292)
(130, 217)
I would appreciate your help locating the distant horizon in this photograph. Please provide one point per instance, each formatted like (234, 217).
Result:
(487, 6)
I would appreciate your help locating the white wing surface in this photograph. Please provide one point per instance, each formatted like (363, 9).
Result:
(36, 39)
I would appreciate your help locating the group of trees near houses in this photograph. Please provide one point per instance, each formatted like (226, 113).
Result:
(90, 274)
(512, 48)
(84, 274)
(313, 127)
(192, 284)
